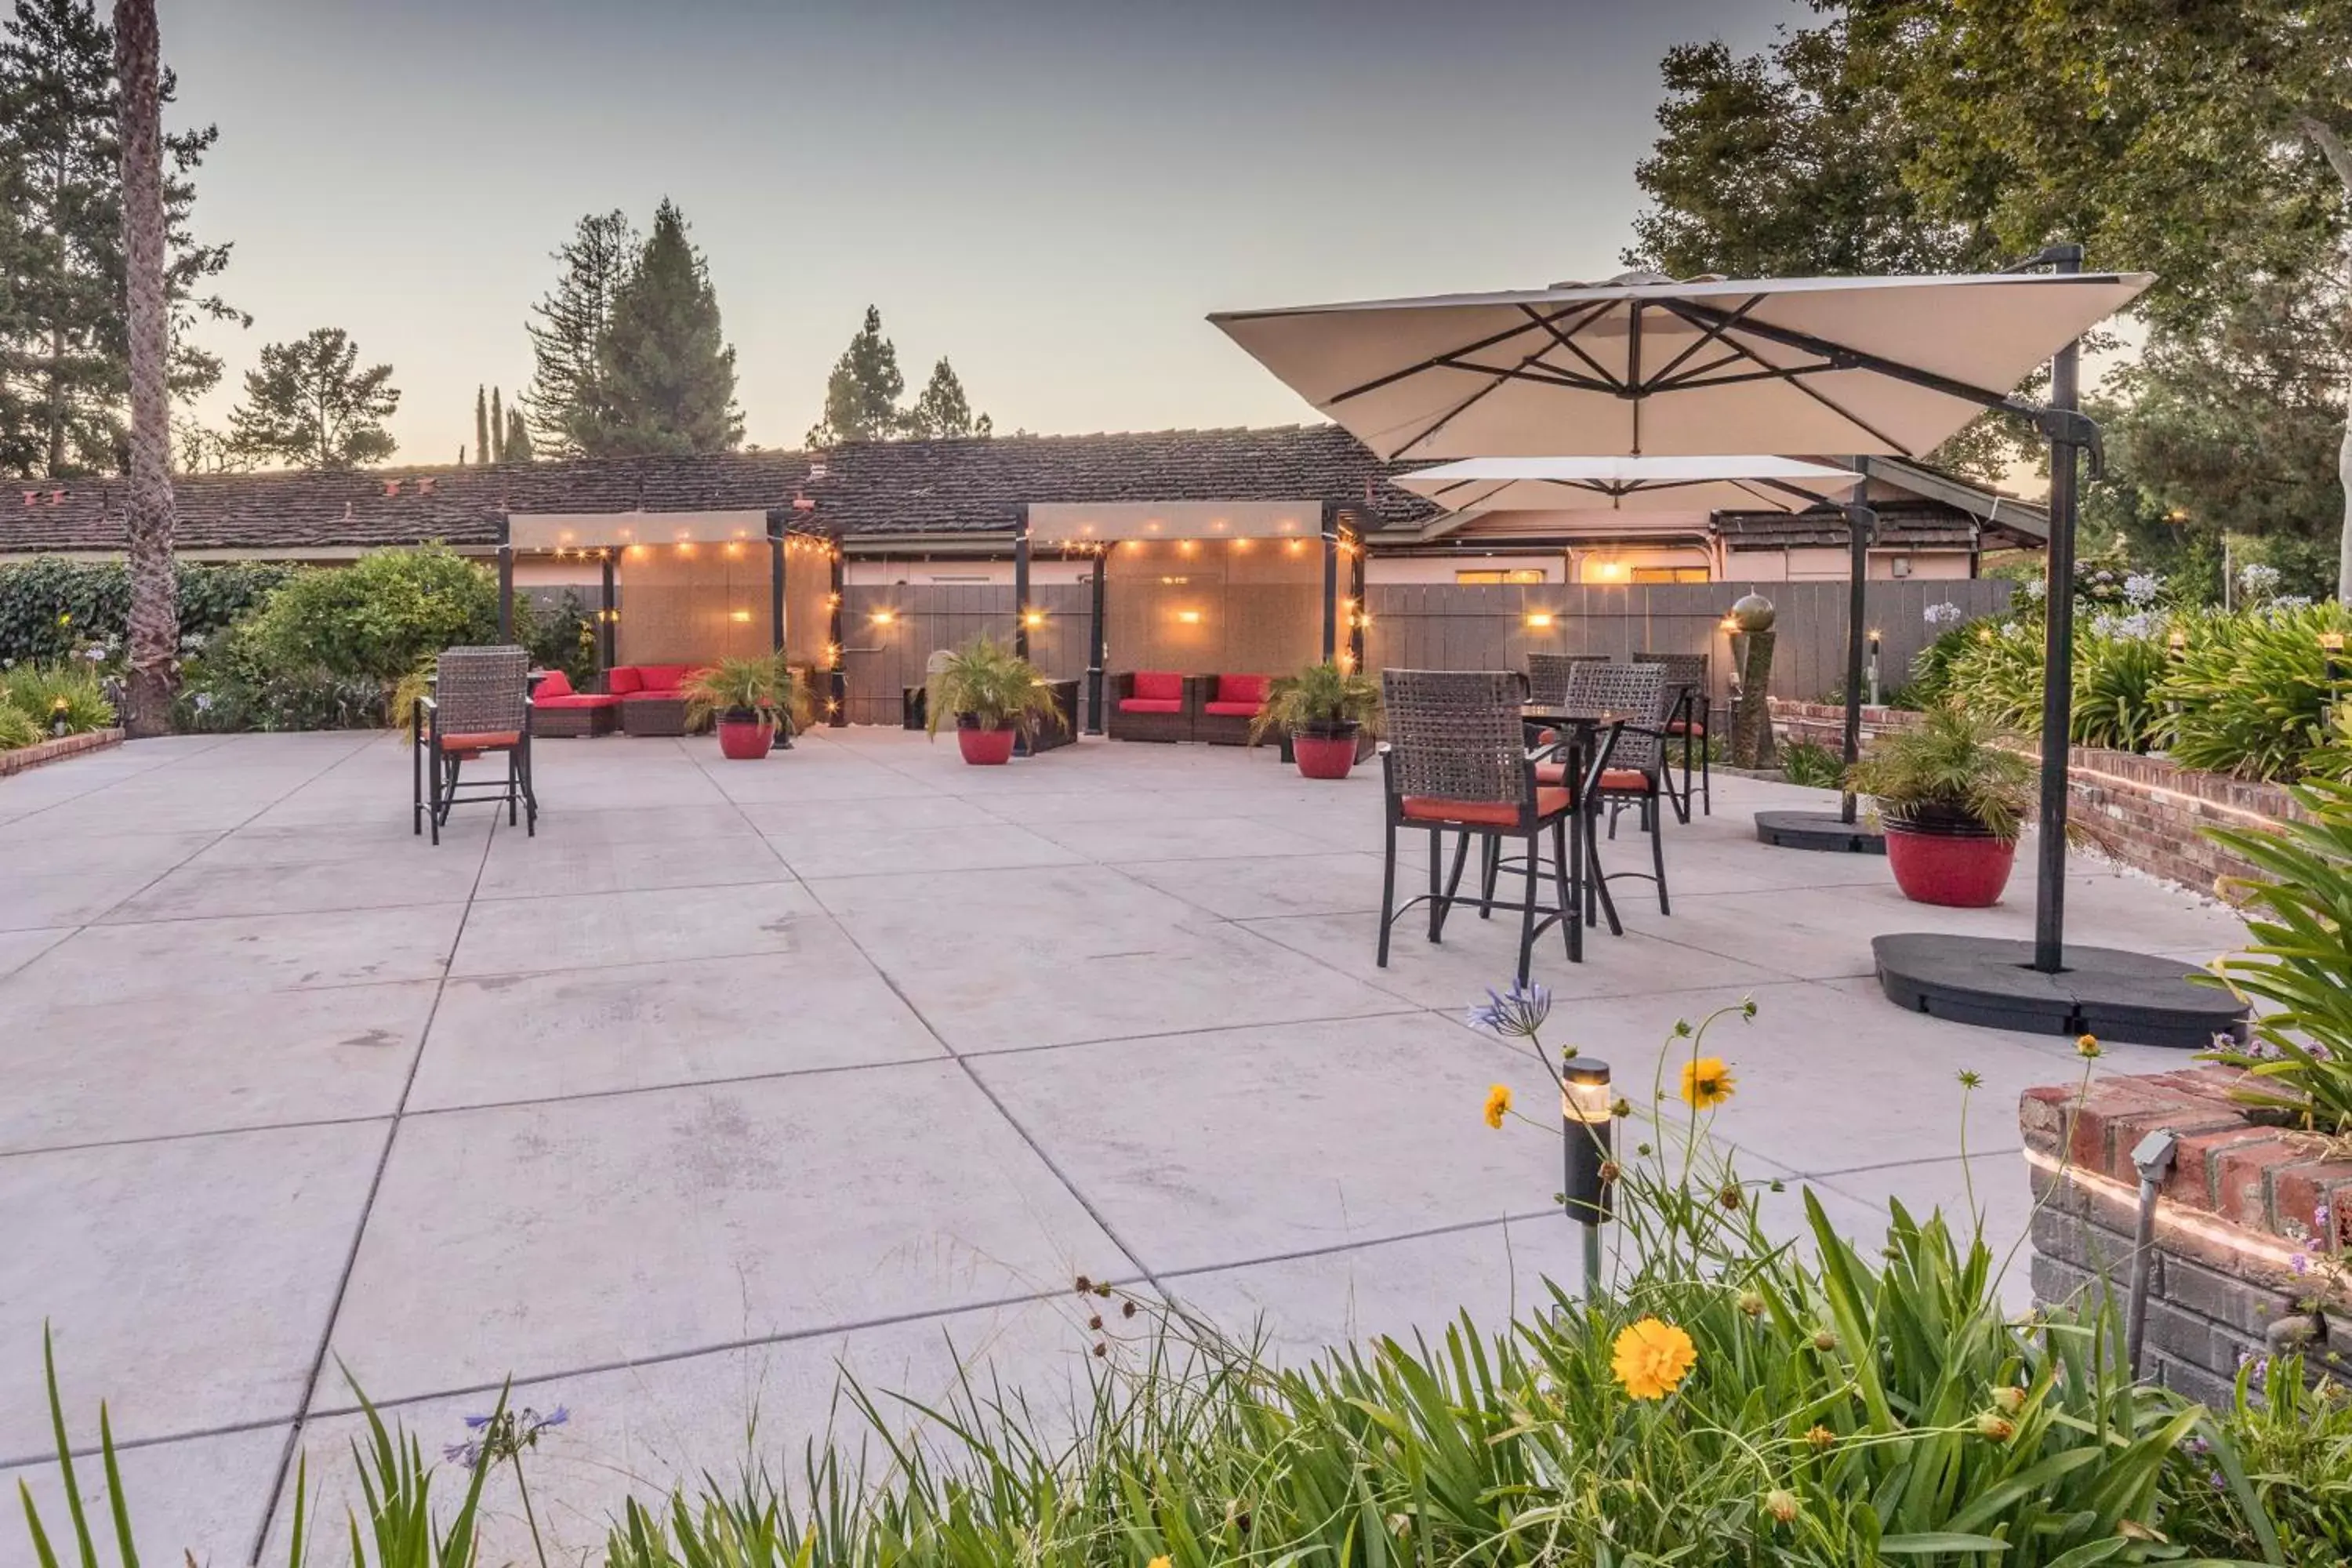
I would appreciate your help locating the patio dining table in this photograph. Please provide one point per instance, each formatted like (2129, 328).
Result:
(1576, 732)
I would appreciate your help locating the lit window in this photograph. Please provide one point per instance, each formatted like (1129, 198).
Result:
(1671, 574)
(1490, 576)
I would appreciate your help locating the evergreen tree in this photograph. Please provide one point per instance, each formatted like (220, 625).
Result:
(565, 402)
(517, 448)
(943, 409)
(481, 424)
(861, 396)
(64, 354)
(311, 405)
(669, 375)
(497, 430)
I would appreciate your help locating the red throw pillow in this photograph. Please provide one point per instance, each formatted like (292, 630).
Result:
(1158, 686)
(622, 680)
(554, 683)
(662, 676)
(1248, 688)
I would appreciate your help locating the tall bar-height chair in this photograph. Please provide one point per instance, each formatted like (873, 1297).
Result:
(1686, 679)
(1635, 695)
(1456, 762)
(1548, 673)
(480, 706)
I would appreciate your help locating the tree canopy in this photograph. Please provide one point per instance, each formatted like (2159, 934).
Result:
(667, 374)
(861, 396)
(311, 405)
(942, 410)
(566, 402)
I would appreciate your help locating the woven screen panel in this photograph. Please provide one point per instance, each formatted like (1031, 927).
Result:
(1456, 735)
(691, 605)
(1214, 606)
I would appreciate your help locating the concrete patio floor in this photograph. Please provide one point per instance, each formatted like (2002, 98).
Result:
(737, 1072)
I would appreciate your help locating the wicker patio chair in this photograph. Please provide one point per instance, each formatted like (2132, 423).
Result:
(1548, 673)
(1455, 762)
(480, 706)
(1637, 695)
(1166, 710)
(1686, 680)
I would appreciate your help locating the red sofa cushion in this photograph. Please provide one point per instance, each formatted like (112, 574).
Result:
(622, 680)
(1151, 705)
(1481, 813)
(1158, 686)
(554, 683)
(1231, 710)
(1687, 727)
(663, 677)
(651, 694)
(571, 699)
(1249, 688)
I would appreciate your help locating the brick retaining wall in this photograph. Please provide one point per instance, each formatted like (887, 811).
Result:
(34, 755)
(2227, 1222)
(2143, 811)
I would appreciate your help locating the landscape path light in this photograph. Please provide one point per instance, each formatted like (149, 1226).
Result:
(1587, 1118)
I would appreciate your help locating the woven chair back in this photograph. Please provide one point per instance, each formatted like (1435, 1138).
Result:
(480, 690)
(1548, 673)
(1684, 671)
(1638, 694)
(1456, 735)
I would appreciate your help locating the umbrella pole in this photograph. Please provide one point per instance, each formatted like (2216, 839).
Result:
(2057, 657)
(1861, 522)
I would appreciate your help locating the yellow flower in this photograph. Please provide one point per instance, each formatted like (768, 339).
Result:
(1819, 1436)
(1707, 1083)
(1159, 1563)
(2086, 1047)
(1499, 1105)
(1651, 1357)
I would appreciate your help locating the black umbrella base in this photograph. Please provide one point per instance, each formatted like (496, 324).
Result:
(2127, 997)
(1817, 830)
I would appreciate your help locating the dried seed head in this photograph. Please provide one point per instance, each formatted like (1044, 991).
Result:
(1781, 1504)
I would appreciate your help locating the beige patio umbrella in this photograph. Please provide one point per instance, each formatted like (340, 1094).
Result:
(1645, 366)
(1629, 484)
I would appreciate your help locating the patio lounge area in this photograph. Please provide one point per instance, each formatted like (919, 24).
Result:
(856, 1056)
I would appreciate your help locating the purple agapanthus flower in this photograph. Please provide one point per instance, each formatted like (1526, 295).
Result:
(465, 1455)
(476, 1423)
(1519, 1011)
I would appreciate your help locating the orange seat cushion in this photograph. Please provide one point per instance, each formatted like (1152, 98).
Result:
(1554, 773)
(1481, 813)
(1687, 727)
(482, 740)
(1625, 778)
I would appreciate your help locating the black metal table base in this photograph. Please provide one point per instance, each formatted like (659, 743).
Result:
(1823, 830)
(2127, 998)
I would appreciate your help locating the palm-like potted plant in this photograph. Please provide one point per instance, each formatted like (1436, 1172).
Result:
(1954, 799)
(750, 697)
(1324, 709)
(995, 696)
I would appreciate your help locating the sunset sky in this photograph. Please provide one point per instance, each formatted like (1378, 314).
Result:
(1053, 193)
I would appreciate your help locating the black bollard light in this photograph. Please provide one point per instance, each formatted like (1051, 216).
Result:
(1587, 1114)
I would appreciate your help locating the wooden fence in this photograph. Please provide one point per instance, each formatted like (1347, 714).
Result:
(1428, 626)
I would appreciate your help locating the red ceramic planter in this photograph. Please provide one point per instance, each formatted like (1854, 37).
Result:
(1323, 756)
(985, 748)
(745, 741)
(1957, 872)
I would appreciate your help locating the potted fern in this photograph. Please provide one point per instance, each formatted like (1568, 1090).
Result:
(995, 695)
(1324, 709)
(750, 697)
(1953, 800)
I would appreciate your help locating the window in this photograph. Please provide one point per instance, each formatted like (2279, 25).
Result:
(1489, 576)
(1670, 574)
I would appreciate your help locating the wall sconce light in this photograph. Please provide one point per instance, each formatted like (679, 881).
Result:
(1033, 618)
(734, 550)
(1294, 546)
(1190, 617)
(883, 617)
(1538, 621)
(1186, 546)
(686, 547)
(739, 614)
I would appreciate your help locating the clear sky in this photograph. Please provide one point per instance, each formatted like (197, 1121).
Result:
(1052, 192)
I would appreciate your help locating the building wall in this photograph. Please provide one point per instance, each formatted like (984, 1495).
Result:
(1379, 568)
(953, 573)
(1827, 563)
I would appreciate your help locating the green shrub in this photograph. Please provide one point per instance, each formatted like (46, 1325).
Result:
(2250, 691)
(45, 693)
(377, 617)
(234, 686)
(1997, 675)
(562, 637)
(17, 729)
(2116, 674)
(2272, 1481)
(93, 598)
(1811, 763)
(1931, 666)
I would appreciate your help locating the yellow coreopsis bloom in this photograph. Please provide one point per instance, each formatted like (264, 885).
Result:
(1499, 1105)
(1707, 1082)
(1158, 1562)
(1651, 1358)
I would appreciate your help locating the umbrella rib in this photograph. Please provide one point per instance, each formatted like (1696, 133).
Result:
(1841, 357)
(1663, 379)
(1567, 340)
(1682, 307)
(1452, 414)
(1450, 357)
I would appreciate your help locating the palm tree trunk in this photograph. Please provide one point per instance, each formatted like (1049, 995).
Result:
(2339, 158)
(154, 578)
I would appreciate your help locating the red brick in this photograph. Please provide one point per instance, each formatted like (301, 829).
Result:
(2243, 1190)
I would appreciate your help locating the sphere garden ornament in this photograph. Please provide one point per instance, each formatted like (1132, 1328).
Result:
(1753, 613)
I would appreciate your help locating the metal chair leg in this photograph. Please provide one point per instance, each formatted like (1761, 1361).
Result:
(1571, 920)
(1528, 904)
(1387, 894)
(1658, 856)
(1444, 906)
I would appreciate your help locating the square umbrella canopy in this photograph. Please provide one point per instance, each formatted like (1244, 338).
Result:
(1646, 366)
(1629, 484)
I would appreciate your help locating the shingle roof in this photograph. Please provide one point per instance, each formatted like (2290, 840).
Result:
(886, 488)
(1916, 523)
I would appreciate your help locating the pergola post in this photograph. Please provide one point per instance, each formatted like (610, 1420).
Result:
(1860, 525)
(2058, 650)
(607, 615)
(506, 588)
(1021, 585)
(776, 582)
(1095, 653)
(1356, 593)
(837, 681)
(1330, 581)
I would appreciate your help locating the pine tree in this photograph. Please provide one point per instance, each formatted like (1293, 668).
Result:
(517, 448)
(481, 424)
(309, 403)
(861, 396)
(565, 402)
(497, 430)
(669, 375)
(65, 357)
(942, 410)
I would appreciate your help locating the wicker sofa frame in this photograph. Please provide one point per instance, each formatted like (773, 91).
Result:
(1122, 725)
